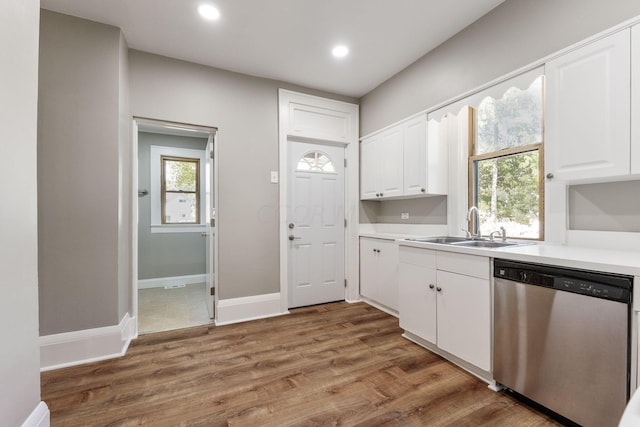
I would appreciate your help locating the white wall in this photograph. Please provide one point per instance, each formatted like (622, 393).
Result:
(19, 350)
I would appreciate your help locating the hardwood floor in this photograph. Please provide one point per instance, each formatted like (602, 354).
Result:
(334, 364)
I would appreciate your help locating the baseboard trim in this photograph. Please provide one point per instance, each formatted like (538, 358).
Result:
(40, 417)
(89, 345)
(379, 306)
(161, 282)
(236, 310)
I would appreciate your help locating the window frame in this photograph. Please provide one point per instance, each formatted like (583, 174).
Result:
(156, 151)
(536, 146)
(164, 191)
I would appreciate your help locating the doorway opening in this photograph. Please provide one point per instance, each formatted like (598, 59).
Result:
(174, 238)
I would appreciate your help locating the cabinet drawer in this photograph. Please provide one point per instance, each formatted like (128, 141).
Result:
(418, 256)
(469, 265)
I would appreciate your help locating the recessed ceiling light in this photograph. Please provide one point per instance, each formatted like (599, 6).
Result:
(208, 12)
(340, 51)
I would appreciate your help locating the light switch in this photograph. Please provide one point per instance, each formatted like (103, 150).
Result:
(274, 177)
(404, 215)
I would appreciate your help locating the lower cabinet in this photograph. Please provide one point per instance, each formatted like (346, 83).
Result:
(445, 299)
(379, 271)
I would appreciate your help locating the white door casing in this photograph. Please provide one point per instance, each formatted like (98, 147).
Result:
(316, 224)
(325, 121)
(210, 233)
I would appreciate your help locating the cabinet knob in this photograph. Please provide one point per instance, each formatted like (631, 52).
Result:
(423, 190)
(431, 286)
(377, 194)
(549, 175)
(439, 289)
(381, 194)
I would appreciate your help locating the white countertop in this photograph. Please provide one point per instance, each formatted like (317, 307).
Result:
(611, 261)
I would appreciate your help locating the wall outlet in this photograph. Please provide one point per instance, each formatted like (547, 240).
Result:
(274, 177)
(404, 215)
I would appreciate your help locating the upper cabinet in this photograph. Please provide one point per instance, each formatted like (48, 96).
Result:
(425, 160)
(401, 162)
(381, 165)
(635, 100)
(587, 115)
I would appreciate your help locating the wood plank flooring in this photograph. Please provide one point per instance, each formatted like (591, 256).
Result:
(334, 364)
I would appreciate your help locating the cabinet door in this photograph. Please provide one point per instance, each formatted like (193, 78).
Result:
(464, 318)
(369, 168)
(369, 268)
(587, 117)
(388, 273)
(415, 156)
(390, 154)
(635, 100)
(417, 301)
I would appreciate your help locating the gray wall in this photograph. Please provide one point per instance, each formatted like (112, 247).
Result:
(20, 354)
(612, 206)
(83, 214)
(511, 36)
(427, 210)
(245, 111)
(171, 254)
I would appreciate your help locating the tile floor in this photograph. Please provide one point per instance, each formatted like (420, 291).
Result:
(162, 309)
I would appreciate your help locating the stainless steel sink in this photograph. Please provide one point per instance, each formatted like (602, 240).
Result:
(444, 240)
(486, 244)
(468, 242)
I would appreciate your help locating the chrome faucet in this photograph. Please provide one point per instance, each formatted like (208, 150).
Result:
(502, 232)
(474, 226)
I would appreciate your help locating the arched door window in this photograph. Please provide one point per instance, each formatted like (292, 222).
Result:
(315, 161)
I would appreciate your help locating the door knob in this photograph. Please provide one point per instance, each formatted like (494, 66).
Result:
(549, 175)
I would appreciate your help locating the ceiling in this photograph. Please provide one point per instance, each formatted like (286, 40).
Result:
(289, 40)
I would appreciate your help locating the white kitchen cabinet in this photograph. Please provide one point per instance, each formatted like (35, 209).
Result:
(464, 317)
(417, 295)
(400, 162)
(635, 99)
(381, 165)
(445, 299)
(369, 159)
(425, 161)
(379, 271)
(587, 111)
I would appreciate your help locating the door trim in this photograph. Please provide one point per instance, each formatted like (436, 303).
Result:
(134, 203)
(341, 129)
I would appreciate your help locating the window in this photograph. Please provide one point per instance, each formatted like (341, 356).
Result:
(315, 161)
(180, 190)
(178, 204)
(505, 162)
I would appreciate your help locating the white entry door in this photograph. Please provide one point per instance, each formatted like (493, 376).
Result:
(316, 224)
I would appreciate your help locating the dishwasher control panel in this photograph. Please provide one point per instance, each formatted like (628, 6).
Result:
(588, 288)
(608, 286)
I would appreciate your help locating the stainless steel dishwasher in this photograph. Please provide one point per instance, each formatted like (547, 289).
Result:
(561, 339)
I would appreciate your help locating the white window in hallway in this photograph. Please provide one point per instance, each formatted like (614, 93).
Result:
(505, 162)
(180, 190)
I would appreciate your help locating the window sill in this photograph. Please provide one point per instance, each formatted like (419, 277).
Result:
(178, 228)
